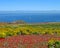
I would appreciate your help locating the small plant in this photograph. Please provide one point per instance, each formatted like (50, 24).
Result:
(2, 35)
(53, 44)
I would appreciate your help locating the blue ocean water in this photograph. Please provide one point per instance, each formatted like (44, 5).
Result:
(30, 17)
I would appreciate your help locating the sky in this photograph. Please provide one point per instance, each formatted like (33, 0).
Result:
(29, 5)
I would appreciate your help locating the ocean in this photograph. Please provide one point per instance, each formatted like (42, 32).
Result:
(30, 17)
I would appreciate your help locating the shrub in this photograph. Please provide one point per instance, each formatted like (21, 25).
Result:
(53, 44)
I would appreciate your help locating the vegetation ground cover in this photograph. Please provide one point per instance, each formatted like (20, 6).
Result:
(30, 36)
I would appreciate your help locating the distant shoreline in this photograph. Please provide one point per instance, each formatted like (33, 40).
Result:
(2, 23)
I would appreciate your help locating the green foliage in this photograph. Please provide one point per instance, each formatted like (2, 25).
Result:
(40, 29)
(54, 44)
(35, 33)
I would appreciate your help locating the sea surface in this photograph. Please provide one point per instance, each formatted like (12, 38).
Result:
(30, 17)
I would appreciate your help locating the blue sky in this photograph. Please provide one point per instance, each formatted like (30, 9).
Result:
(29, 5)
